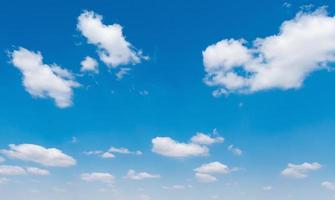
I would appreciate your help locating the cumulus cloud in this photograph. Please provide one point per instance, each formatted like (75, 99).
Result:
(98, 177)
(235, 150)
(10, 170)
(301, 170)
(328, 185)
(201, 138)
(113, 48)
(277, 61)
(206, 172)
(43, 80)
(37, 171)
(133, 175)
(110, 153)
(45, 156)
(197, 146)
(89, 64)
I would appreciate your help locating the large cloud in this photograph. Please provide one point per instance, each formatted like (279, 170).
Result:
(30, 152)
(300, 170)
(113, 48)
(303, 45)
(42, 80)
(197, 146)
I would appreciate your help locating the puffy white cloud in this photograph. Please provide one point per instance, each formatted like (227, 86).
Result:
(30, 152)
(235, 150)
(42, 80)
(328, 185)
(98, 177)
(300, 171)
(205, 173)
(277, 61)
(205, 178)
(37, 171)
(10, 170)
(89, 64)
(133, 175)
(113, 48)
(168, 147)
(107, 155)
(213, 168)
(201, 138)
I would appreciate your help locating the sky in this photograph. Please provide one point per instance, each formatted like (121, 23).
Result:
(161, 100)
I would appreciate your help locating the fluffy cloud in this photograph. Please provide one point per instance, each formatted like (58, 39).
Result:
(140, 175)
(113, 48)
(235, 150)
(328, 185)
(9, 170)
(89, 64)
(205, 173)
(300, 171)
(168, 147)
(42, 80)
(197, 146)
(30, 152)
(277, 61)
(37, 171)
(201, 138)
(98, 177)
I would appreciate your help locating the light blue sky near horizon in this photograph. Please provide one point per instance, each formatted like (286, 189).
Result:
(272, 127)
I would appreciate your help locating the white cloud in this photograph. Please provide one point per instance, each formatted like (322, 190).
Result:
(235, 150)
(205, 173)
(10, 170)
(110, 153)
(328, 185)
(300, 171)
(37, 171)
(277, 61)
(107, 155)
(89, 64)
(168, 147)
(205, 178)
(213, 168)
(98, 177)
(177, 187)
(140, 175)
(124, 151)
(113, 48)
(122, 72)
(30, 152)
(201, 138)
(42, 80)
(267, 188)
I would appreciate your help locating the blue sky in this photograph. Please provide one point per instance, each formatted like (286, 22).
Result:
(182, 93)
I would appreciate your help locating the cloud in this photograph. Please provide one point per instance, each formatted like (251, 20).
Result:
(205, 173)
(113, 48)
(30, 152)
(107, 155)
(235, 150)
(328, 185)
(2, 159)
(37, 171)
(9, 170)
(201, 138)
(168, 147)
(98, 177)
(110, 153)
(300, 171)
(42, 80)
(4, 180)
(277, 61)
(267, 188)
(124, 151)
(140, 175)
(177, 187)
(89, 64)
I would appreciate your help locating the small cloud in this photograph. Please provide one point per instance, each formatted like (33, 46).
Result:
(98, 177)
(89, 64)
(235, 150)
(132, 175)
(267, 188)
(301, 170)
(328, 185)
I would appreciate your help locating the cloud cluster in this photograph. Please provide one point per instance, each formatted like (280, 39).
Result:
(166, 146)
(11, 170)
(301, 170)
(206, 172)
(43, 80)
(113, 48)
(133, 175)
(303, 45)
(45, 156)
